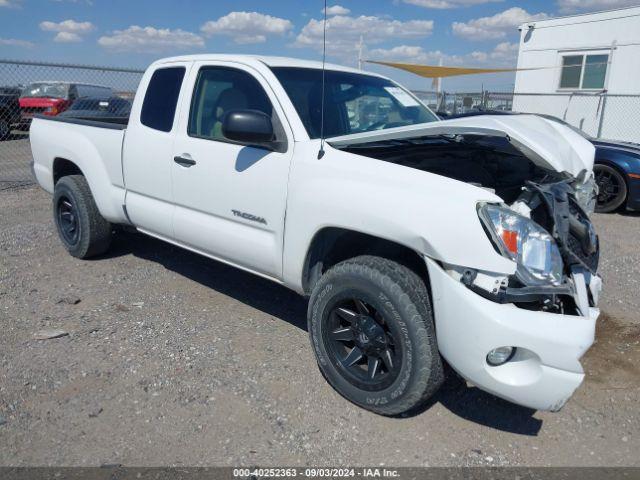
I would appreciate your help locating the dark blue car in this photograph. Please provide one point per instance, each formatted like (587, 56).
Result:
(616, 169)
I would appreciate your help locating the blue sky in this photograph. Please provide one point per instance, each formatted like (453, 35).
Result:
(135, 32)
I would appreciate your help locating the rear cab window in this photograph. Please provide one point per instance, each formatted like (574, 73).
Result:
(161, 98)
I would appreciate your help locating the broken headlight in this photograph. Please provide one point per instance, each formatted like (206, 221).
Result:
(525, 242)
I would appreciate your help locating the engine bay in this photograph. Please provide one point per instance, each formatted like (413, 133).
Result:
(487, 162)
(547, 197)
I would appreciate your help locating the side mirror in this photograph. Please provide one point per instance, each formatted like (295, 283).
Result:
(248, 126)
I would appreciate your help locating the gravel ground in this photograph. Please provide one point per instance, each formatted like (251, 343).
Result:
(173, 359)
(15, 158)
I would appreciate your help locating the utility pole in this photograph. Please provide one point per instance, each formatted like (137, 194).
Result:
(360, 53)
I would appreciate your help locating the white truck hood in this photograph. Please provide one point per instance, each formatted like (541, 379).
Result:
(546, 143)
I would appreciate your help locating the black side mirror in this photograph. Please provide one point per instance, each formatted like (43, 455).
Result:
(248, 126)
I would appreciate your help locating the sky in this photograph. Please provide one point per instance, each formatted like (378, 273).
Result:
(133, 33)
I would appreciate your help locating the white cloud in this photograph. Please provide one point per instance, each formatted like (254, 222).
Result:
(443, 4)
(150, 40)
(410, 54)
(70, 26)
(68, 31)
(343, 33)
(337, 10)
(568, 6)
(504, 54)
(247, 27)
(10, 3)
(67, 37)
(497, 26)
(13, 42)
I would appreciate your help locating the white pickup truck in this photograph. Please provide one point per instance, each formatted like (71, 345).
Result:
(418, 241)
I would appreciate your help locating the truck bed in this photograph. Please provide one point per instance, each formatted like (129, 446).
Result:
(114, 123)
(94, 146)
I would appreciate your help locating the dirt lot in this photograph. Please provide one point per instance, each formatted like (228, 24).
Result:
(172, 359)
(15, 158)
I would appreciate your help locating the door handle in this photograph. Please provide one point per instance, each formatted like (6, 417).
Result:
(185, 162)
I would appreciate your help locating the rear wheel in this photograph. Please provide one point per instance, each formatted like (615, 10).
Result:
(612, 188)
(83, 231)
(372, 331)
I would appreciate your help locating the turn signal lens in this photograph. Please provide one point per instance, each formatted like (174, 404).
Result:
(510, 239)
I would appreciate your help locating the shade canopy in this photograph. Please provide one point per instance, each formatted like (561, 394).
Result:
(430, 71)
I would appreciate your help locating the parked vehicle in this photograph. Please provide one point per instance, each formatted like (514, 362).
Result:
(416, 240)
(9, 110)
(52, 98)
(99, 108)
(616, 168)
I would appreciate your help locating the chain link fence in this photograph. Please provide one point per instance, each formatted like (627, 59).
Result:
(28, 88)
(600, 115)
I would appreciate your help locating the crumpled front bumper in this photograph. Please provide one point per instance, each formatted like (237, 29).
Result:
(546, 369)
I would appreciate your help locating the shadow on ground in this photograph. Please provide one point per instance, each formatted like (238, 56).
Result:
(466, 402)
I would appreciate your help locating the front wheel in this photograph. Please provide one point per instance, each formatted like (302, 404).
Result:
(612, 188)
(83, 231)
(372, 330)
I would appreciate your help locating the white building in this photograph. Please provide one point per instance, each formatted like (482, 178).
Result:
(573, 60)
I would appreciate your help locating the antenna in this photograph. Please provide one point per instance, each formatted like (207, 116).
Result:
(324, 58)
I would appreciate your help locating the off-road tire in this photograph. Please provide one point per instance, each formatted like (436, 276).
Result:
(94, 232)
(401, 297)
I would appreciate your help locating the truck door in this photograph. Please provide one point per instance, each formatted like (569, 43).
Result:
(230, 198)
(148, 147)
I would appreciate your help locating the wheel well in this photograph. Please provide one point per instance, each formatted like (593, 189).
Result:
(614, 165)
(63, 167)
(333, 245)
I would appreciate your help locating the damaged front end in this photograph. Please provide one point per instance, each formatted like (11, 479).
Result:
(549, 235)
(542, 173)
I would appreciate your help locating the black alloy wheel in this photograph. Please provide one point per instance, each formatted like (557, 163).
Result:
(68, 220)
(363, 346)
(372, 330)
(612, 188)
(81, 227)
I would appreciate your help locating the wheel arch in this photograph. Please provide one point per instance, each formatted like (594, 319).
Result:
(332, 245)
(63, 167)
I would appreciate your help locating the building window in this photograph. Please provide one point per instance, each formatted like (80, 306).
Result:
(595, 70)
(586, 72)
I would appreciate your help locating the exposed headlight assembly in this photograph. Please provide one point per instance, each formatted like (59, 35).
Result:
(525, 242)
(586, 195)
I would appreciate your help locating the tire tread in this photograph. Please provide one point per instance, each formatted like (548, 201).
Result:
(413, 299)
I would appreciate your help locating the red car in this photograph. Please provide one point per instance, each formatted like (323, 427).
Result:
(52, 98)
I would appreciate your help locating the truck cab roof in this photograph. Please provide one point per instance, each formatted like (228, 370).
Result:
(270, 61)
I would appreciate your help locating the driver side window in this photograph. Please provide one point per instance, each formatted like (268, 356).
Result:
(219, 90)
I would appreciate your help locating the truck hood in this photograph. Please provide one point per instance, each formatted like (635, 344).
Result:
(548, 144)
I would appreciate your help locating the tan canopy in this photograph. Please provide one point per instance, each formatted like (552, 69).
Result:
(430, 71)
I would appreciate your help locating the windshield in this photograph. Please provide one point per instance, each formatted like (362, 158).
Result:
(114, 106)
(46, 90)
(354, 103)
